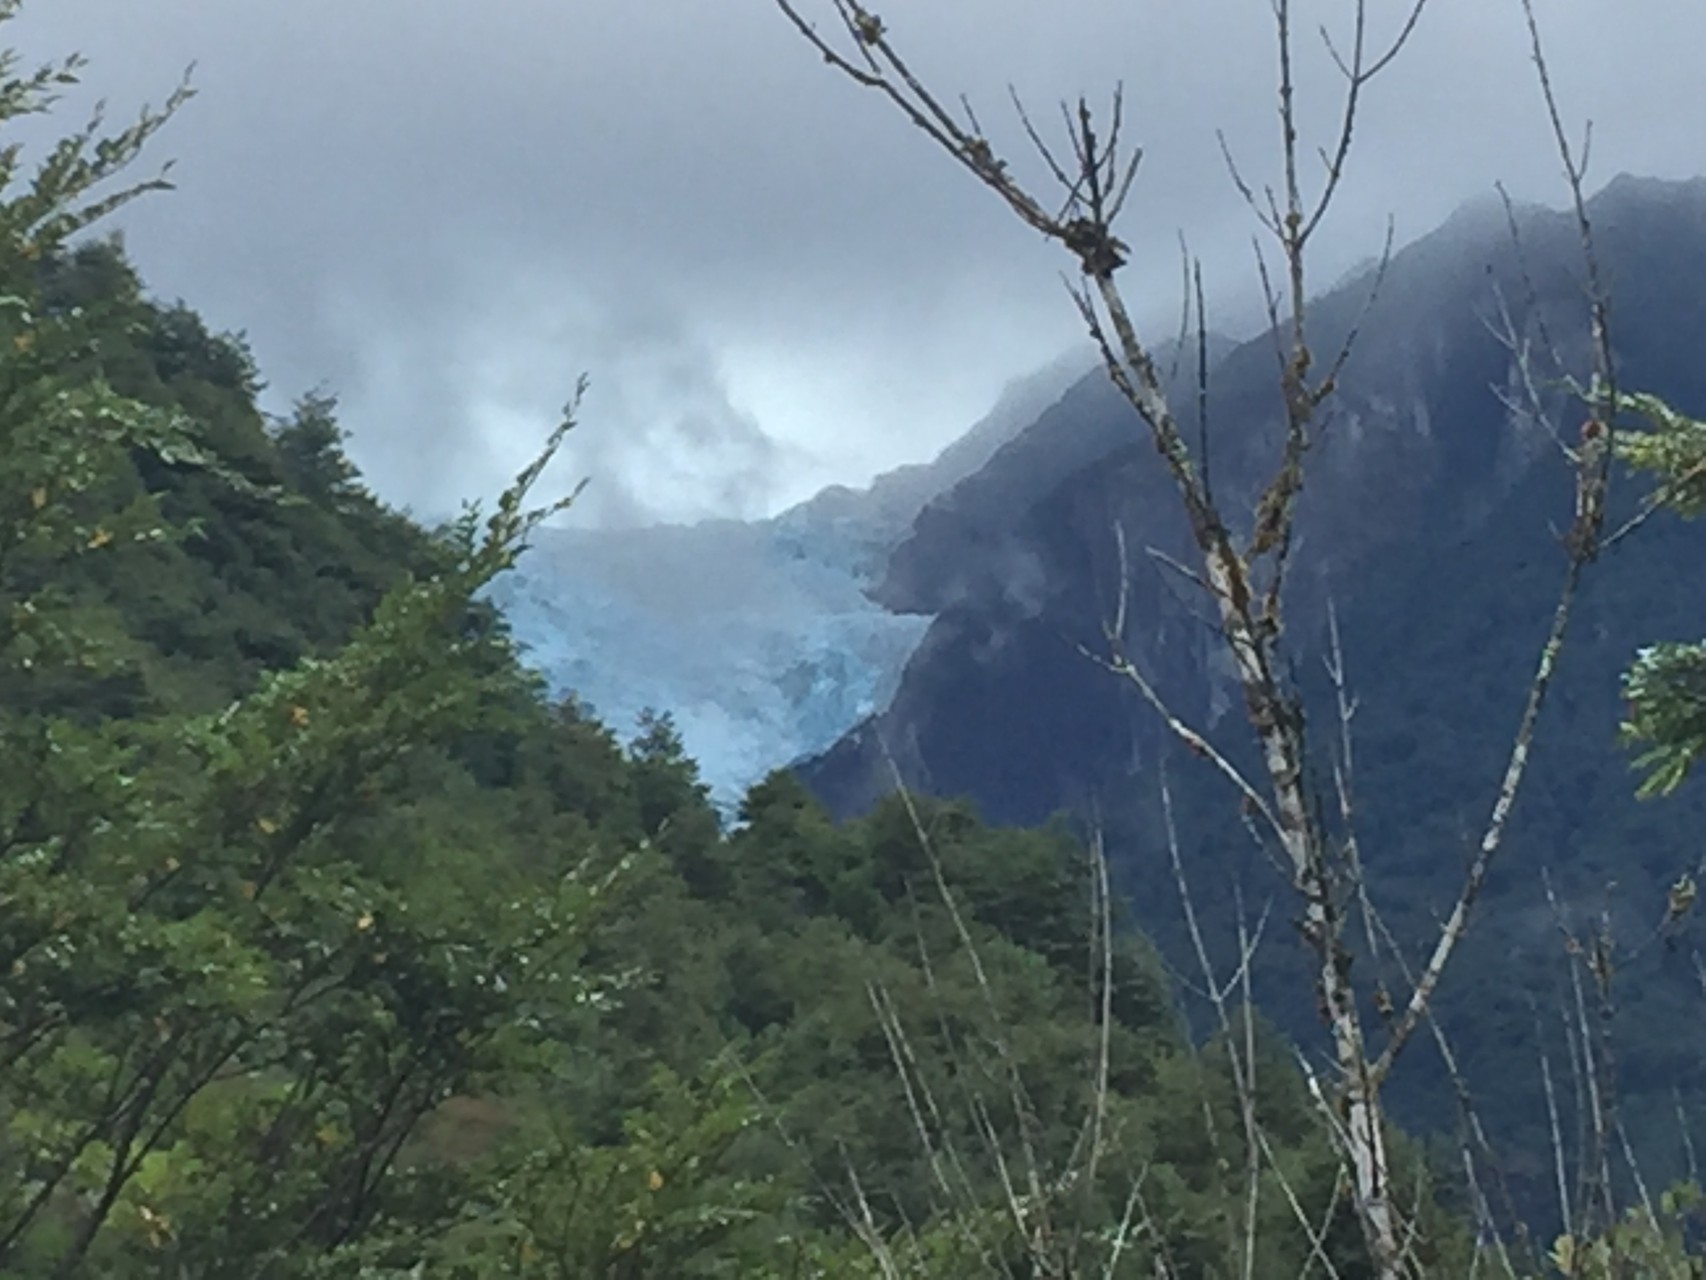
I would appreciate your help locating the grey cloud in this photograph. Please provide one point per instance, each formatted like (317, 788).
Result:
(658, 434)
(445, 210)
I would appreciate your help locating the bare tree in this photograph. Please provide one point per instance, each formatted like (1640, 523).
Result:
(1242, 573)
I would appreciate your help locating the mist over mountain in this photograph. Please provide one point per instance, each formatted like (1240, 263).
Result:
(1419, 468)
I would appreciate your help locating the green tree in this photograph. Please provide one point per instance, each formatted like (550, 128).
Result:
(221, 1021)
(311, 448)
(1666, 685)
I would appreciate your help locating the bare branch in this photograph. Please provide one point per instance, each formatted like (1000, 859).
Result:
(1357, 76)
(1556, 1130)
(1330, 383)
(1268, 219)
(1655, 502)
(1516, 768)
(1687, 1131)
(1202, 384)
(1532, 405)
(1104, 921)
(1198, 744)
(1242, 1062)
(1593, 462)
(1183, 570)
(1067, 184)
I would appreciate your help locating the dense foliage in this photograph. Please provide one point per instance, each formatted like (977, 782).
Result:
(1666, 687)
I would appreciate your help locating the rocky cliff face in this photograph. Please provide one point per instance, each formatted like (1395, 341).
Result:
(1418, 462)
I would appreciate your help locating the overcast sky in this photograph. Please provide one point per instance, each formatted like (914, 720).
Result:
(444, 210)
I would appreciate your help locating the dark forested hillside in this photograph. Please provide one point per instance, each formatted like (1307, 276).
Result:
(273, 569)
(1431, 522)
(1418, 459)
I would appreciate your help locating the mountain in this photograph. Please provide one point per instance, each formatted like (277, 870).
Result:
(1429, 521)
(1016, 564)
(758, 638)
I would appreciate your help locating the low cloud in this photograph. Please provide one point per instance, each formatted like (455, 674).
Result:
(446, 210)
(449, 411)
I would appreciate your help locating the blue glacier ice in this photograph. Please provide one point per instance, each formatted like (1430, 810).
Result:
(757, 637)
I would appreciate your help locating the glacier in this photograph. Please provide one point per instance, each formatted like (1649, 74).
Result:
(757, 637)
(754, 637)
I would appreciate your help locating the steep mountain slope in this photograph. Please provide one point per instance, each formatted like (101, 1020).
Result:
(1017, 562)
(758, 638)
(1430, 520)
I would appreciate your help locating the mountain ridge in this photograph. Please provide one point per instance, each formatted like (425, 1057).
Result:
(1430, 523)
(991, 556)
